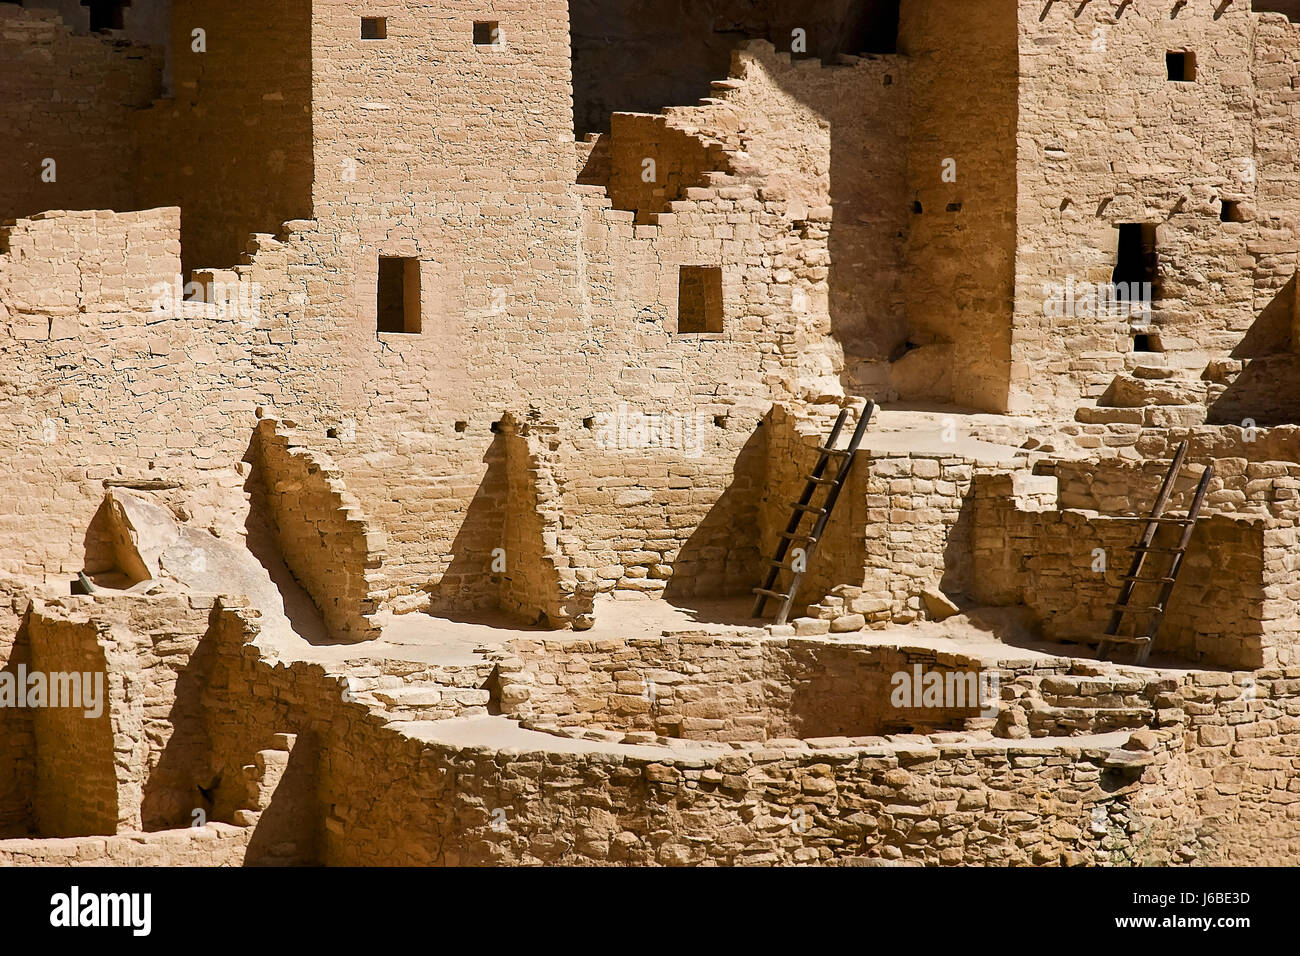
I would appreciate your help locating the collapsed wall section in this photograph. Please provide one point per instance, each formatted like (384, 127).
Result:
(326, 540)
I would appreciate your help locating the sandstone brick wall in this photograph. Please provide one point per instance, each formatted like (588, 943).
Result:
(1241, 736)
(139, 764)
(217, 844)
(958, 260)
(232, 144)
(384, 794)
(69, 98)
(1029, 552)
(17, 736)
(699, 686)
(680, 160)
(644, 56)
(1222, 288)
(549, 576)
(328, 543)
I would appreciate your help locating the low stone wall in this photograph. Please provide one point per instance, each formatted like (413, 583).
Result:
(371, 790)
(1243, 752)
(216, 844)
(702, 686)
(1067, 565)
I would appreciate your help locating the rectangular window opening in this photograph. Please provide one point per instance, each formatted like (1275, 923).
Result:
(1137, 264)
(106, 14)
(1181, 66)
(397, 305)
(487, 33)
(374, 28)
(1230, 211)
(1146, 342)
(699, 300)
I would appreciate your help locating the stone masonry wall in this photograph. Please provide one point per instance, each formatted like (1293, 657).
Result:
(1026, 551)
(68, 98)
(137, 766)
(327, 542)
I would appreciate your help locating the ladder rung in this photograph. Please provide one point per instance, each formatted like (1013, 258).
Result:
(1121, 639)
(780, 564)
(1164, 520)
(812, 509)
(833, 451)
(772, 594)
(1138, 608)
(1141, 580)
(821, 481)
(1138, 547)
(797, 537)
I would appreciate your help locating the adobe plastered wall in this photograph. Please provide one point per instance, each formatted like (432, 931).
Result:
(68, 98)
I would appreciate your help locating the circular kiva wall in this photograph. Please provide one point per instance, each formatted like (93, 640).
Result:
(707, 687)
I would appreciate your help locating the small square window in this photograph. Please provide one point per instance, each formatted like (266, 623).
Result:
(1230, 211)
(397, 299)
(374, 28)
(487, 33)
(1181, 66)
(1146, 342)
(699, 300)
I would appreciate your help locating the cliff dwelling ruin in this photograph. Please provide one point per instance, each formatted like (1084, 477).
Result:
(618, 432)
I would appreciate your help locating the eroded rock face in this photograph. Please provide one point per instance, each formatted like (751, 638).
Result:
(149, 543)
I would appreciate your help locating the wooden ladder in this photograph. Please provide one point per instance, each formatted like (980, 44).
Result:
(804, 507)
(1154, 612)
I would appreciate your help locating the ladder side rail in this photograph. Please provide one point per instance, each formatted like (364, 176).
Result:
(1184, 541)
(796, 517)
(819, 527)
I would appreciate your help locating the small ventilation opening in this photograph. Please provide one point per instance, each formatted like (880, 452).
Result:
(374, 28)
(1181, 66)
(699, 299)
(1230, 211)
(917, 208)
(954, 207)
(487, 33)
(398, 295)
(1146, 342)
(461, 426)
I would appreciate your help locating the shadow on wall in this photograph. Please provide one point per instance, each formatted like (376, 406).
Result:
(288, 830)
(469, 587)
(174, 787)
(1267, 389)
(260, 539)
(17, 747)
(722, 557)
(642, 55)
